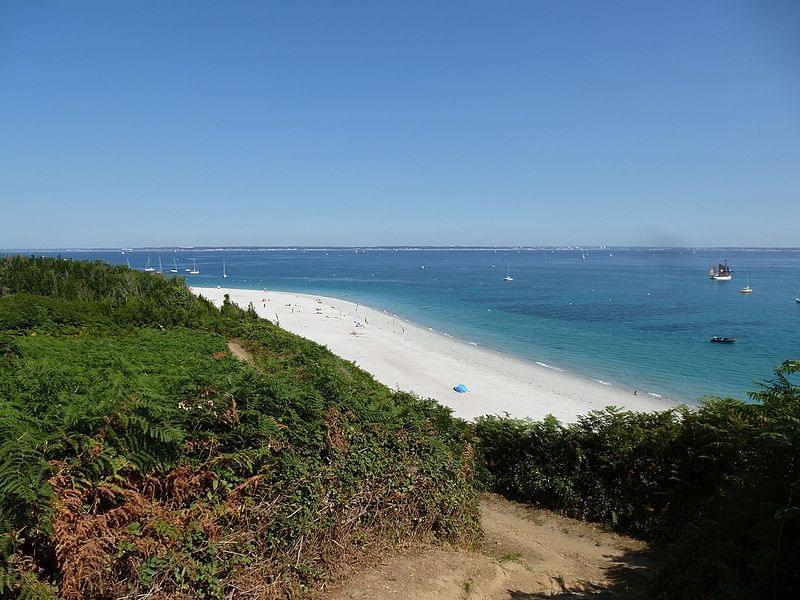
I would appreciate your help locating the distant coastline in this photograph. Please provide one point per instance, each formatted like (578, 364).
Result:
(399, 248)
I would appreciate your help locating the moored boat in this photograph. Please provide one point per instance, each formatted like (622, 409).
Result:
(722, 340)
(721, 272)
(746, 289)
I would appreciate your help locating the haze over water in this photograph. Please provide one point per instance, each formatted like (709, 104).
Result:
(637, 318)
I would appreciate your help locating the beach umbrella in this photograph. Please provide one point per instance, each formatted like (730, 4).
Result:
(461, 388)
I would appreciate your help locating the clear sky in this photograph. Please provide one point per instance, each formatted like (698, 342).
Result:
(265, 123)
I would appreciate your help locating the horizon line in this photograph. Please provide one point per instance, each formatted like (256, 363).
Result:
(385, 247)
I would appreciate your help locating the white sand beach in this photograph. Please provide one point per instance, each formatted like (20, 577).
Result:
(409, 357)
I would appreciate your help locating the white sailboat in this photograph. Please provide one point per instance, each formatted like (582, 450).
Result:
(508, 277)
(160, 267)
(148, 268)
(747, 289)
(174, 268)
(224, 273)
(194, 270)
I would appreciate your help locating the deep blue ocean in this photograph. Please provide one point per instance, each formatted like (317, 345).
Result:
(637, 318)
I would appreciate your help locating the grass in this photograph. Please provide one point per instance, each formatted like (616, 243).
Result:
(511, 557)
(468, 586)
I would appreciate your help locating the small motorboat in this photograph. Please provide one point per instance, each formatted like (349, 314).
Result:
(722, 340)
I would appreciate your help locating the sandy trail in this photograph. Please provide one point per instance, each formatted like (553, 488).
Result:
(406, 356)
(239, 352)
(527, 553)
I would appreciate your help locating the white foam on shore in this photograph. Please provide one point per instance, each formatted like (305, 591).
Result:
(403, 355)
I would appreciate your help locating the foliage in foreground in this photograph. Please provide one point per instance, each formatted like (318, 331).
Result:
(137, 456)
(718, 486)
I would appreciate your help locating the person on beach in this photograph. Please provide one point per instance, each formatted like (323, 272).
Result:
(635, 392)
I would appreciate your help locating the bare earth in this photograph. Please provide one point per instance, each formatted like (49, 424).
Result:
(239, 352)
(430, 363)
(527, 553)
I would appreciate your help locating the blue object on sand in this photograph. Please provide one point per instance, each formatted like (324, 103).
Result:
(461, 388)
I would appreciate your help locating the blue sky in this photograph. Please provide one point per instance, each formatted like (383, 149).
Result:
(619, 123)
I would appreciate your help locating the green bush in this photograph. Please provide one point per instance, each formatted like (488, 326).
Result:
(718, 486)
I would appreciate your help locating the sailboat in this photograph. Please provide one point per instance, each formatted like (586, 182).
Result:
(721, 273)
(128, 262)
(194, 270)
(148, 268)
(160, 268)
(174, 269)
(746, 289)
(224, 273)
(508, 276)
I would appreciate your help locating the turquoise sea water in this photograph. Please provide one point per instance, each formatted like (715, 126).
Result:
(637, 318)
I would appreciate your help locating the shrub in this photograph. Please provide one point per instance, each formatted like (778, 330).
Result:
(718, 486)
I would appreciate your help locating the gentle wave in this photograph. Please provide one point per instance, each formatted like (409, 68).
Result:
(601, 382)
(546, 366)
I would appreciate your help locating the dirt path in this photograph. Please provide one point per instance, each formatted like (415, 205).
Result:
(527, 554)
(240, 352)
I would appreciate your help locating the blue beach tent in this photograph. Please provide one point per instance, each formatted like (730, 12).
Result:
(461, 388)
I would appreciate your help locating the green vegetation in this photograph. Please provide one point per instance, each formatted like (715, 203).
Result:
(718, 487)
(138, 456)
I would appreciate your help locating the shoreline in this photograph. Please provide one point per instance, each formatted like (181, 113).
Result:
(407, 356)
